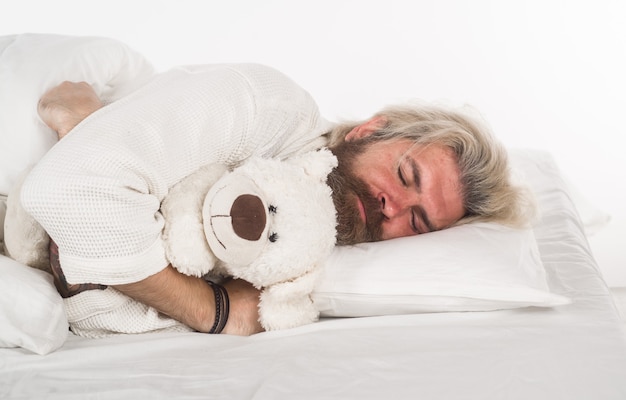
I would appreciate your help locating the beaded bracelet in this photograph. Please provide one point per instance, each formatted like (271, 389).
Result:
(222, 307)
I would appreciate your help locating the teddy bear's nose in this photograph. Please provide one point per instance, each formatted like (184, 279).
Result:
(248, 217)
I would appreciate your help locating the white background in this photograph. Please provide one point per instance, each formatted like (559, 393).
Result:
(545, 74)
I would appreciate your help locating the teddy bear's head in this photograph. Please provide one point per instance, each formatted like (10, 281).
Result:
(269, 220)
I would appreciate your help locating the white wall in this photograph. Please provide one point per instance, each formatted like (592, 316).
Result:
(546, 74)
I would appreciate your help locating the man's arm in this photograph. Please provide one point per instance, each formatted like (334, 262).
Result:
(191, 300)
(187, 299)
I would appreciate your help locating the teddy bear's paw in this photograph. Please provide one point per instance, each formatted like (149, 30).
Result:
(189, 255)
(185, 246)
(33, 252)
(25, 240)
(277, 312)
(189, 263)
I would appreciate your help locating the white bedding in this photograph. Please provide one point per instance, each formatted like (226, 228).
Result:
(574, 351)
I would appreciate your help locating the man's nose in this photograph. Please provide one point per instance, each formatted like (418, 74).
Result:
(394, 205)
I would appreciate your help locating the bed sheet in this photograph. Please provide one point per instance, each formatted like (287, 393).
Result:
(576, 351)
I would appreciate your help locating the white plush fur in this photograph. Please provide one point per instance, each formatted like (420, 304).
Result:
(24, 239)
(185, 244)
(300, 219)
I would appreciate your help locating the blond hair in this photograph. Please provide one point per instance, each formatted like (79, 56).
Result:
(487, 189)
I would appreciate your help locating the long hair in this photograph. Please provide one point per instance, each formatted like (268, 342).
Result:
(488, 192)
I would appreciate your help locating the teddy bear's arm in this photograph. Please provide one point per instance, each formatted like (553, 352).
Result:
(183, 233)
(24, 239)
(289, 304)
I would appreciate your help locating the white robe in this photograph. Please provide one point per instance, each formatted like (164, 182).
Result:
(98, 191)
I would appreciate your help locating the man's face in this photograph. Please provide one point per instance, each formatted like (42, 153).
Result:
(389, 189)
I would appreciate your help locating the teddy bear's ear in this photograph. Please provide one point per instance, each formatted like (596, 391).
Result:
(317, 164)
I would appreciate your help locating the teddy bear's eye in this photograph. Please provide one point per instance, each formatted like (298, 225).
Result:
(272, 209)
(273, 237)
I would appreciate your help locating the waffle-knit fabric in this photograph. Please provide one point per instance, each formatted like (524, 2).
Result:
(98, 191)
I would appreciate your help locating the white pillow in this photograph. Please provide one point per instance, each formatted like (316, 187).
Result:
(30, 64)
(593, 218)
(32, 314)
(474, 267)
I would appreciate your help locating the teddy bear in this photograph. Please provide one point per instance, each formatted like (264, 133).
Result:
(270, 222)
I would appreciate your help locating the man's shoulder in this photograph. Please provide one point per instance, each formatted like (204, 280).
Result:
(246, 70)
(257, 77)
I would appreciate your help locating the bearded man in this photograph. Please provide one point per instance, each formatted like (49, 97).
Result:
(405, 171)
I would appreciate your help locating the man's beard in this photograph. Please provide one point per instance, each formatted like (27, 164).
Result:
(346, 188)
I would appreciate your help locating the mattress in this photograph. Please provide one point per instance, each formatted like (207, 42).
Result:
(574, 351)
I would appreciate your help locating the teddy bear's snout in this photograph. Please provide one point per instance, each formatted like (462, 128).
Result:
(248, 217)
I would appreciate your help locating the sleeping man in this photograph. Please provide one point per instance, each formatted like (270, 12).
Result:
(407, 170)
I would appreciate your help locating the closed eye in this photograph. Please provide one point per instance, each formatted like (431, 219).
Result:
(414, 173)
(401, 176)
(417, 180)
(414, 223)
(420, 222)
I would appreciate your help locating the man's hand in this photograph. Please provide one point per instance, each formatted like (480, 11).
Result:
(65, 105)
(243, 318)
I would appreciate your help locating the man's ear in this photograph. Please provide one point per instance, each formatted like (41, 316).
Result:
(366, 128)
